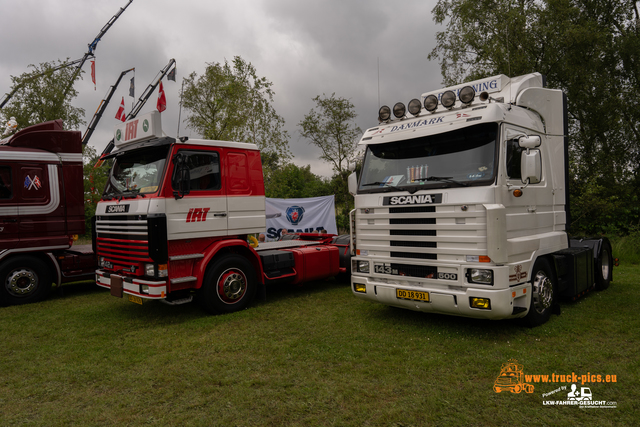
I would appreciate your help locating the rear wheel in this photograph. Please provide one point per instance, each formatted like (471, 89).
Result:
(604, 266)
(229, 285)
(25, 280)
(543, 293)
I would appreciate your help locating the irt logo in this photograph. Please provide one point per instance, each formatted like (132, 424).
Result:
(197, 214)
(131, 130)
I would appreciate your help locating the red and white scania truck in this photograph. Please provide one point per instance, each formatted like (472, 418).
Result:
(175, 217)
(462, 205)
(41, 210)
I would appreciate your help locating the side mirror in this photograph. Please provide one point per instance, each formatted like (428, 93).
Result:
(181, 179)
(529, 142)
(352, 181)
(531, 167)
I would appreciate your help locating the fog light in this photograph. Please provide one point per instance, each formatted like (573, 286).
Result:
(399, 110)
(144, 289)
(150, 270)
(359, 287)
(363, 266)
(479, 275)
(481, 303)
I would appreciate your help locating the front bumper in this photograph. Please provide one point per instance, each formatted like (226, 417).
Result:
(149, 289)
(512, 302)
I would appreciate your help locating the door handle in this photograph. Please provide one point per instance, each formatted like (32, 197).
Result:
(220, 214)
(9, 220)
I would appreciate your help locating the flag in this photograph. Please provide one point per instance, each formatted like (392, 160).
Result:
(162, 100)
(120, 114)
(132, 87)
(172, 75)
(93, 73)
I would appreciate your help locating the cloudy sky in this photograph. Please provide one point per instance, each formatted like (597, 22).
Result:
(304, 48)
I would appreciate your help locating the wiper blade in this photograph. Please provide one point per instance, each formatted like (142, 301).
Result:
(376, 183)
(443, 179)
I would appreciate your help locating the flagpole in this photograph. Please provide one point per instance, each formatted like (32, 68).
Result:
(180, 110)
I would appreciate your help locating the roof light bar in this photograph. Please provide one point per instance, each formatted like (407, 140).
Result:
(399, 110)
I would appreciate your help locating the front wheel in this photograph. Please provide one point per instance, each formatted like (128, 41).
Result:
(25, 280)
(543, 293)
(229, 285)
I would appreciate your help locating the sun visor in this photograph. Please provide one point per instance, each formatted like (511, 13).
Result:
(144, 127)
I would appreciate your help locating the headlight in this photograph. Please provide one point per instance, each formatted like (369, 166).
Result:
(480, 275)
(150, 270)
(101, 261)
(363, 266)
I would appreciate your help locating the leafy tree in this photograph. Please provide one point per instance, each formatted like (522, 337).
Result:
(41, 97)
(588, 48)
(95, 180)
(291, 181)
(331, 127)
(230, 102)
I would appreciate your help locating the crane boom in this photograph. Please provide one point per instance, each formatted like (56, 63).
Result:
(136, 108)
(101, 107)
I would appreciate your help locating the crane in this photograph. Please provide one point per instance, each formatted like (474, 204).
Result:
(101, 107)
(136, 108)
(92, 47)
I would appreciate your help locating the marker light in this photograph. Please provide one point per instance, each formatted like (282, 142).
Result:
(448, 99)
(414, 107)
(431, 103)
(384, 113)
(517, 192)
(467, 94)
(483, 303)
(399, 110)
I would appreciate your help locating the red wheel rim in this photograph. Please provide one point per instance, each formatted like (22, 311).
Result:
(232, 286)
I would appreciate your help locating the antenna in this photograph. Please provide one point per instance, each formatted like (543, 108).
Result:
(378, 82)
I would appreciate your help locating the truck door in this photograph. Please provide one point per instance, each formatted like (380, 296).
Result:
(203, 212)
(532, 213)
(9, 234)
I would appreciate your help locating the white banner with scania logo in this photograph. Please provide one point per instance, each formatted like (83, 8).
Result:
(309, 215)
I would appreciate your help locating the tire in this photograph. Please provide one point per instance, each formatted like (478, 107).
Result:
(604, 266)
(24, 280)
(229, 285)
(543, 293)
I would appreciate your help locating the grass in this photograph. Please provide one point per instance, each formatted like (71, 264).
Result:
(311, 355)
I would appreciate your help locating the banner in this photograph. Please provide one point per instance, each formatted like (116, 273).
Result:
(313, 214)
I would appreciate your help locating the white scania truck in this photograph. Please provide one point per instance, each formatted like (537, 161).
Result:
(462, 205)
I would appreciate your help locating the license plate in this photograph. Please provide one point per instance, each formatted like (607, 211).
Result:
(412, 295)
(135, 299)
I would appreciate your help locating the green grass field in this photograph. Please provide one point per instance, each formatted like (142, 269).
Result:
(308, 356)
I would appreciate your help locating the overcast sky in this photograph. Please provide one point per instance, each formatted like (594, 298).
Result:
(304, 48)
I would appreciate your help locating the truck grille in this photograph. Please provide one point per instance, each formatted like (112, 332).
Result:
(123, 239)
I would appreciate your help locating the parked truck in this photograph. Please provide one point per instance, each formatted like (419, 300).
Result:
(175, 219)
(462, 205)
(41, 213)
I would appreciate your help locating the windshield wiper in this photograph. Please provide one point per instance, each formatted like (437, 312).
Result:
(376, 183)
(443, 179)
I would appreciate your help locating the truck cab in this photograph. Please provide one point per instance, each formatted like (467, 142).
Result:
(175, 218)
(462, 205)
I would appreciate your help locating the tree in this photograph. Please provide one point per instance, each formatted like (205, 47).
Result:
(588, 48)
(331, 127)
(230, 102)
(43, 98)
(292, 182)
(95, 180)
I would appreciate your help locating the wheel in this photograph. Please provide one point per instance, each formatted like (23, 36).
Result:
(25, 280)
(229, 285)
(543, 293)
(604, 266)
(517, 389)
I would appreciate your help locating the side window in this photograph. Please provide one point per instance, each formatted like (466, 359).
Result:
(204, 169)
(6, 186)
(514, 157)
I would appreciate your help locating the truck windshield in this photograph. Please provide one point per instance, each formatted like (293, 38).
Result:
(464, 157)
(137, 172)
